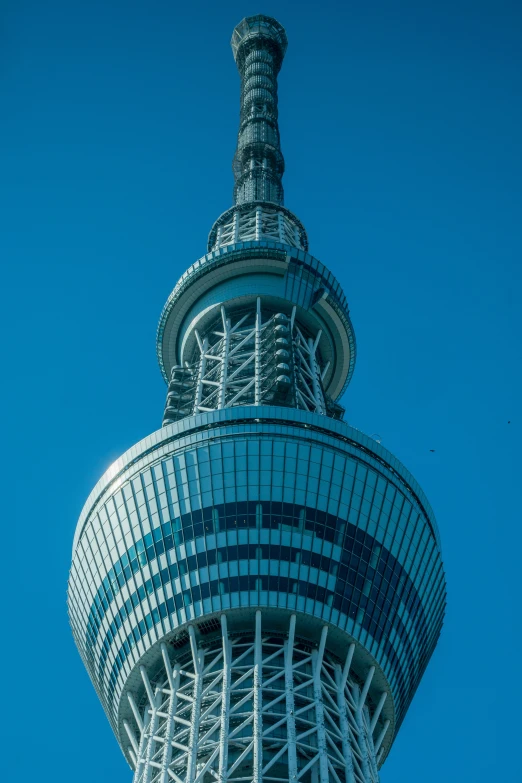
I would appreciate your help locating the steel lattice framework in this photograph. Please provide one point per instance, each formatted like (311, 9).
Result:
(250, 707)
(257, 588)
(250, 360)
(259, 45)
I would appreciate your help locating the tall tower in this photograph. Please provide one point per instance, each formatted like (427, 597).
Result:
(257, 587)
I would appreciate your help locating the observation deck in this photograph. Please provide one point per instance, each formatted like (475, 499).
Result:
(290, 554)
(288, 281)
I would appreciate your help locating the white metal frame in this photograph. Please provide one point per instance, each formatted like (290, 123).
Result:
(308, 376)
(253, 708)
(258, 223)
(241, 367)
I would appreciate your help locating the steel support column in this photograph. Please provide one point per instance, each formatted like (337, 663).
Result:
(290, 702)
(225, 703)
(343, 724)
(363, 748)
(173, 677)
(317, 662)
(224, 359)
(192, 755)
(258, 703)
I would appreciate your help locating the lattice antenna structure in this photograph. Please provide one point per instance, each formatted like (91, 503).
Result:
(256, 588)
(259, 45)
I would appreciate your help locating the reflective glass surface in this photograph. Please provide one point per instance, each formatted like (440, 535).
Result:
(256, 513)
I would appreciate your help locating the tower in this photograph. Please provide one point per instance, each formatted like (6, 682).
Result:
(256, 588)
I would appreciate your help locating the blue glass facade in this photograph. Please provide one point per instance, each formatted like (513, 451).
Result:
(283, 509)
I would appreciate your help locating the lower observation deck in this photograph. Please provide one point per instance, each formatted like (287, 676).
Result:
(238, 510)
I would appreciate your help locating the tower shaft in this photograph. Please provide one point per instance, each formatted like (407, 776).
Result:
(254, 706)
(257, 588)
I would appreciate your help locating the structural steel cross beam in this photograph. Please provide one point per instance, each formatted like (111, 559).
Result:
(255, 708)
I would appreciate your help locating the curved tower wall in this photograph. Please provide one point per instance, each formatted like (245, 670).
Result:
(256, 588)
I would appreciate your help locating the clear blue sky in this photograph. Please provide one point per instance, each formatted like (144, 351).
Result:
(401, 128)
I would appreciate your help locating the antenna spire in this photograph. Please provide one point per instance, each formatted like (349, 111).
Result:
(259, 45)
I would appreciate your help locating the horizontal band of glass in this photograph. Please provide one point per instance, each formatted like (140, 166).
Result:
(261, 422)
(356, 544)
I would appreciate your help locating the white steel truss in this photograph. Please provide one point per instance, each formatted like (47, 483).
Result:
(254, 708)
(250, 357)
(258, 222)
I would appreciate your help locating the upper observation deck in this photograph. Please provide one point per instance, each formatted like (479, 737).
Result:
(284, 278)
